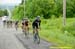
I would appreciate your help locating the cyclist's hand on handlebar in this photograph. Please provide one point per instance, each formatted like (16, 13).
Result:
(40, 28)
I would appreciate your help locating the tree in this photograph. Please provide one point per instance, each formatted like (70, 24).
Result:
(44, 8)
(39, 7)
(18, 12)
(1, 13)
(5, 12)
(70, 8)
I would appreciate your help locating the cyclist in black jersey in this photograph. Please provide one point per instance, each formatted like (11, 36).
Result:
(36, 25)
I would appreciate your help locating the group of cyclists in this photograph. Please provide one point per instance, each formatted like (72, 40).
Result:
(35, 26)
(25, 26)
(6, 22)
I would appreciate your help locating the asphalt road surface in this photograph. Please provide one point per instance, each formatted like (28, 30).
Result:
(12, 39)
(8, 40)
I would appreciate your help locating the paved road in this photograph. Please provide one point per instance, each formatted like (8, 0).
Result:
(29, 44)
(12, 39)
(8, 39)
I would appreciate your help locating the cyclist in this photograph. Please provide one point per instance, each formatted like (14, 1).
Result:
(4, 19)
(16, 24)
(22, 24)
(11, 23)
(25, 26)
(36, 26)
(8, 24)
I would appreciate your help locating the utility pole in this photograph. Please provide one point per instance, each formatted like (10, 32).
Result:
(64, 13)
(9, 13)
(24, 8)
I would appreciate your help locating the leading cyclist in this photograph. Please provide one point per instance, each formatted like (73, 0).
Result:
(36, 27)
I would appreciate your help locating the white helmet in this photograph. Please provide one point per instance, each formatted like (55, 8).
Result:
(38, 17)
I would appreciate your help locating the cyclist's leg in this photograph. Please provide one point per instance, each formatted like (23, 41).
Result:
(22, 28)
(33, 29)
(11, 24)
(6, 24)
(3, 23)
(34, 33)
(34, 36)
(37, 35)
(28, 29)
(25, 30)
(16, 27)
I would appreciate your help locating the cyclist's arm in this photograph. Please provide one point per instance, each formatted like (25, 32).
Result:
(29, 23)
(39, 24)
(22, 25)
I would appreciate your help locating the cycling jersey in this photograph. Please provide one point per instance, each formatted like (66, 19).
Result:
(25, 23)
(36, 23)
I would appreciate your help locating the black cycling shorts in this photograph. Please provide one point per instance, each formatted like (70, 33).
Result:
(35, 26)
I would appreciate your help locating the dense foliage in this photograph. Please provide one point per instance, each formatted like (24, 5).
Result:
(44, 8)
(3, 12)
(52, 29)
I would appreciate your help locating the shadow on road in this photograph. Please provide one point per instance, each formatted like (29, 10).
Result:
(29, 43)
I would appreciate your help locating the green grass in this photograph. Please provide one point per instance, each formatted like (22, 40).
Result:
(53, 31)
